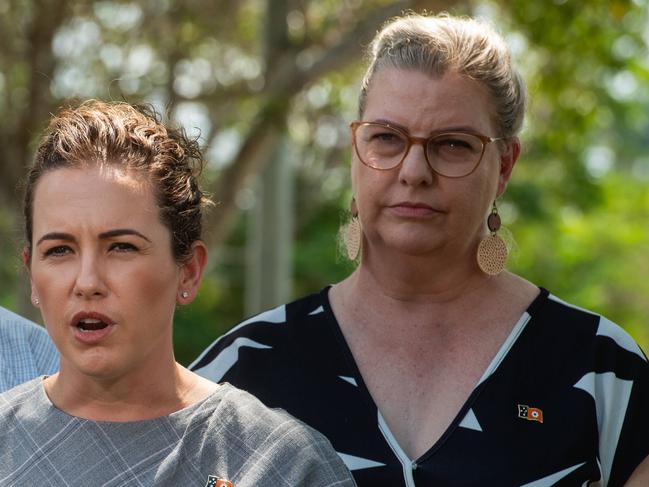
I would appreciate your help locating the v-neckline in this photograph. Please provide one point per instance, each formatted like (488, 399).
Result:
(493, 366)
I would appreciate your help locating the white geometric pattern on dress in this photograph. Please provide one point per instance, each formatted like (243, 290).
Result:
(550, 480)
(218, 367)
(611, 397)
(404, 459)
(351, 380)
(317, 311)
(273, 316)
(507, 344)
(609, 329)
(470, 421)
(358, 463)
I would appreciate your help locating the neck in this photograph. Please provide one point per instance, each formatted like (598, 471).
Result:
(419, 278)
(136, 397)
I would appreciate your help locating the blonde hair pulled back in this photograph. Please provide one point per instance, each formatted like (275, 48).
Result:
(437, 44)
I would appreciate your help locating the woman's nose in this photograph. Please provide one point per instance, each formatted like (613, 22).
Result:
(414, 169)
(89, 281)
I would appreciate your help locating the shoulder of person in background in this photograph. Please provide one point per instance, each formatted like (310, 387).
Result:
(26, 350)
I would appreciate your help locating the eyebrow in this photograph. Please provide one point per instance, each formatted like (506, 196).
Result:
(118, 232)
(458, 128)
(122, 231)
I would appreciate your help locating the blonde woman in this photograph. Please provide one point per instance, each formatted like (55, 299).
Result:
(431, 364)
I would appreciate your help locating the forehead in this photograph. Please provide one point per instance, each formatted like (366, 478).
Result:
(427, 103)
(93, 195)
(95, 175)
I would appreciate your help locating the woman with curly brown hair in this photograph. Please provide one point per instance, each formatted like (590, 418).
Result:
(113, 245)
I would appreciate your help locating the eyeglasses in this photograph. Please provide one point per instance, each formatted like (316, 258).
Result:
(451, 154)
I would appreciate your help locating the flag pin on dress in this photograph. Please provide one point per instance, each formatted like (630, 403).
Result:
(530, 413)
(214, 481)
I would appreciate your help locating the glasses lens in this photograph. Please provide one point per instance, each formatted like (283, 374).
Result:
(379, 146)
(454, 154)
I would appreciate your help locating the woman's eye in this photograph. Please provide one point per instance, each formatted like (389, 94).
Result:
(58, 251)
(123, 247)
(457, 143)
(454, 144)
(386, 137)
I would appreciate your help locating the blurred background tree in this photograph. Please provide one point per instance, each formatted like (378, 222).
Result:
(270, 88)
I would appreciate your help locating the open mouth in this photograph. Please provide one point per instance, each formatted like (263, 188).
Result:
(91, 324)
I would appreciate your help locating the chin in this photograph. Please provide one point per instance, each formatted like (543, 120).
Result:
(98, 366)
(414, 247)
(417, 251)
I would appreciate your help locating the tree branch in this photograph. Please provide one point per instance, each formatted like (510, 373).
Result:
(288, 79)
(48, 17)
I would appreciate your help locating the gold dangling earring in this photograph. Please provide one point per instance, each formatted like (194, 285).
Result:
(352, 234)
(492, 251)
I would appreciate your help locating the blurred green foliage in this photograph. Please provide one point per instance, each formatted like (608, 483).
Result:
(578, 203)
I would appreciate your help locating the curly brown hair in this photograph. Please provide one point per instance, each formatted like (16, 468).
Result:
(131, 137)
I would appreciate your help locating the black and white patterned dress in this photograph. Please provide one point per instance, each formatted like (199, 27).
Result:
(564, 402)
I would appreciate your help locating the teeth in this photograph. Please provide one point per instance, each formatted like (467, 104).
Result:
(90, 324)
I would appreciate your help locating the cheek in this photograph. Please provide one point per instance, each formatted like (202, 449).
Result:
(51, 281)
(490, 172)
(354, 174)
(151, 291)
(152, 283)
(368, 183)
